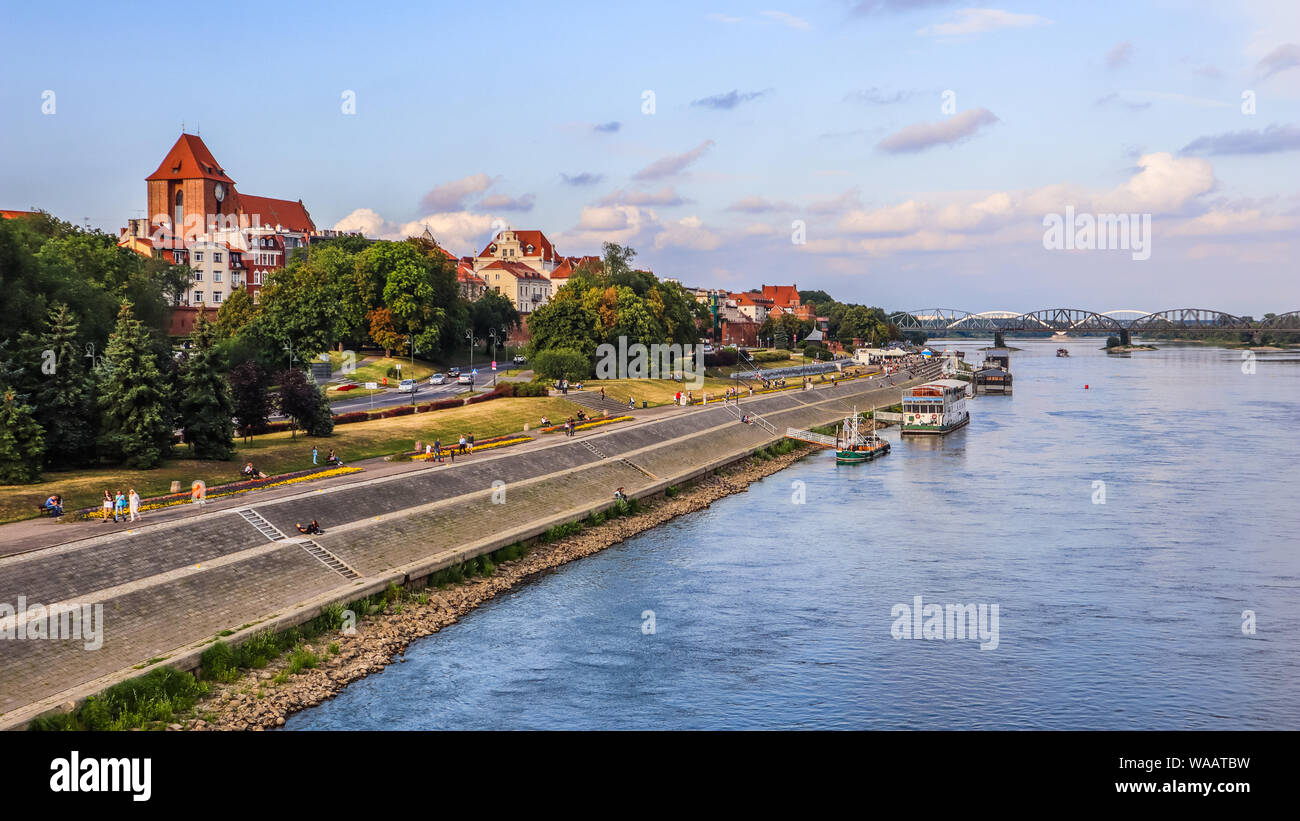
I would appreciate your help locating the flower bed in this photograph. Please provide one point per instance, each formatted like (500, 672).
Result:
(485, 444)
(221, 491)
(590, 423)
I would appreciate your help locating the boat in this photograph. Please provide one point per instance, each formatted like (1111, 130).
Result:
(853, 445)
(1062, 352)
(935, 408)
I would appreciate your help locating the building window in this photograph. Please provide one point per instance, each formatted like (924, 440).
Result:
(198, 256)
(198, 296)
(216, 296)
(198, 276)
(216, 257)
(257, 277)
(257, 297)
(216, 276)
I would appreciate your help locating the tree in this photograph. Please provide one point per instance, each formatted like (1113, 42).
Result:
(251, 401)
(205, 405)
(564, 324)
(998, 341)
(383, 331)
(235, 313)
(22, 442)
(561, 363)
(135, 420)
(64, 396)
(303, 403)
(492, 310)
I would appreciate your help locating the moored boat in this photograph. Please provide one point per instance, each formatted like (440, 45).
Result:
(1062, 352)
(853, 445)
(937, 407)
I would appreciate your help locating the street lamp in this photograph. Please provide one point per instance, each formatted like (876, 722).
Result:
(469, 337)
(493, 333)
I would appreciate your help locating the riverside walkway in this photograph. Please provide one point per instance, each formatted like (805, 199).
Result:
(170, 586)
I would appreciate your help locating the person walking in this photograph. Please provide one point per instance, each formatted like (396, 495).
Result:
(108, 505)
(119, 506)
(470, 444)
(133, 502)
(462, 443)
(602, 393)
(313, 454)
(631, 403)
(437, 449)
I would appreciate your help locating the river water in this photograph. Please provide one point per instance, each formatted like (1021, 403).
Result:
(1117, 611)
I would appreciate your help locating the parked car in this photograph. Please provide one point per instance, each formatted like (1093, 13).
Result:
(407, 386)
(464, 379)
(438, 379)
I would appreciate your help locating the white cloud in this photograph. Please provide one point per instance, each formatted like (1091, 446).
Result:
(451, 196)
(689, 233)
(967, 22)
(787, 20)
(920, 136)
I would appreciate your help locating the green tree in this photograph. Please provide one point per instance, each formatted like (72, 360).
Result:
(564, 324)
(205, 405)
(64, 395)
(304, 404)
(235, 314)
(22, 442)
(249, 388)
(135, 419)
(561, 363)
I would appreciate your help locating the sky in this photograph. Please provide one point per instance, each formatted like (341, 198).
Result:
(903, 153)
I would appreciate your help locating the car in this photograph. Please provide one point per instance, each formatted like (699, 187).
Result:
(520, 359)
(453, 372)
(464, 379)
(438, 379)
(408, 386)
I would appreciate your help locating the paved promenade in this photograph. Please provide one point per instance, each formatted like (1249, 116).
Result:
(172, 583)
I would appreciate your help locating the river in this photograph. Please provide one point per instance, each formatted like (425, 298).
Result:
(1120, 606)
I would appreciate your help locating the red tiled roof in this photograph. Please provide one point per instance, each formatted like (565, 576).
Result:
(782, 295)
(516, 269)
(465, 273)
(13, 215)
(189, 158)
(272, 212)
(541, 245)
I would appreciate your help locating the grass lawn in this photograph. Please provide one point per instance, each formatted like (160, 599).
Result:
(339, 396)
(654, 391)
(278, 453)
(374, 370)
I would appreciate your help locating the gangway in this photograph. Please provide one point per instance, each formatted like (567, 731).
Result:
(819, 439)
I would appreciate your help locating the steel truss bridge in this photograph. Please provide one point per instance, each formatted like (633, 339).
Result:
(1077, 320)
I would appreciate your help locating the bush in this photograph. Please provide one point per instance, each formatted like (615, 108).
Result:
(531, 389)
(1112, 341)
(156, 696)
(445, 403)
(721, 358)
(355, 416)
(218, 663)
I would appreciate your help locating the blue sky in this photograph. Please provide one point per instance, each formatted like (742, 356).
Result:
(832, 113)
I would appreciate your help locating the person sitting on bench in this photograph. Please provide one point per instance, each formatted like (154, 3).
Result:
(620, 495)
(312, 529)
(54, 506)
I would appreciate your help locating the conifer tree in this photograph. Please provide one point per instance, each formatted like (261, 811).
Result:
(205, 405)
(135, 422)
(22, 442)
(64, 398)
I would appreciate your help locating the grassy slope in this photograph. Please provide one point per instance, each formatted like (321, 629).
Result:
(280, 453)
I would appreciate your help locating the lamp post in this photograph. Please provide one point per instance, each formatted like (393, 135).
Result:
(469, 337)
(493, 333)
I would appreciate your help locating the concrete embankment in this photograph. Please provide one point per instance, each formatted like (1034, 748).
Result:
(168, 590)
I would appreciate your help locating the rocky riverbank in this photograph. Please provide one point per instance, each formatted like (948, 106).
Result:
(263, 699)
